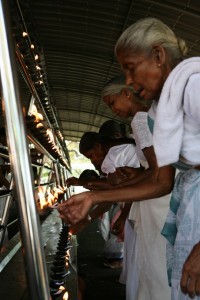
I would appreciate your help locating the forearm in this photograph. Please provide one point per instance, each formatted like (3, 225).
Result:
(125, 210)
(99, 210)
(142, 177)
(133, 193)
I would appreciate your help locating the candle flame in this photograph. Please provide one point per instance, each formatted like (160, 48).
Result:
(65, 296)
(42, 200)
(36, 114)
(50, 199)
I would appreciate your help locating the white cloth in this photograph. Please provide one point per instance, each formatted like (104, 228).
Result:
(170, 129)
(129, 246)
(120, 156)
(148, 262)
(141, 133)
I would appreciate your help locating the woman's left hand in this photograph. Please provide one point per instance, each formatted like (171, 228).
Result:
(190, 281)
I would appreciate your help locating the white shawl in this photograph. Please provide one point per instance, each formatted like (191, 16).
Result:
(168, 126)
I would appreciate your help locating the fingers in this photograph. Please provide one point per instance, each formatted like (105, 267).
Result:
(190, 285)
(197, 288)
(184, 281)
(190, 281)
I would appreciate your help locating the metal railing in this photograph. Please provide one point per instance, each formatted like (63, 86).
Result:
(36, 272)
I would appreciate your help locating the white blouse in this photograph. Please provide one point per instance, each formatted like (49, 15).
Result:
(141, 133)
(120, 156)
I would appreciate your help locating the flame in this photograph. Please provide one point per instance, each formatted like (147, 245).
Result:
(42, 199)
(66, 296)
(68, 253)
(50, 199)
(62, 288)
(39, 125)
(38, 117)
(56, 192)
(34, 112)
(45, 201)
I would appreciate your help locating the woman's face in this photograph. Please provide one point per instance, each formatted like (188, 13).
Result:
(96, 155)
(145, 74)
(120, 104)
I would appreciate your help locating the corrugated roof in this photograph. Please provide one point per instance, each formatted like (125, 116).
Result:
(75, 40)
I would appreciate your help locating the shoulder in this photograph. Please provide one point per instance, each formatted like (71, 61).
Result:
(193, 81)
(120, 148)
(192, 94)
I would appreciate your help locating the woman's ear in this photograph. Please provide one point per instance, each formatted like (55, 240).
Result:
(159, 55)
(127, 93)
(97, 146)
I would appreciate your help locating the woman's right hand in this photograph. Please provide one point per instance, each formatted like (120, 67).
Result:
(127, 173)
(73, 181)
(76, 208)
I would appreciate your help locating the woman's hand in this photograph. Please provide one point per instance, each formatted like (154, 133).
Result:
(127, 173)
(73, 181)
(118, 228)
(76, 208)
(190, 281)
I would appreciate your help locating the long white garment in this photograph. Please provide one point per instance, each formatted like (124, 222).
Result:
(149, 255)
(119, 156)
(177, 118)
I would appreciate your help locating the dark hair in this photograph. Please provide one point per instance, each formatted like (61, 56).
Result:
(113, 129)
(90, 139)
(89, 174)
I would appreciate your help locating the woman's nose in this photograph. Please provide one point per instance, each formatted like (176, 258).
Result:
(129, 80)
(114, 110)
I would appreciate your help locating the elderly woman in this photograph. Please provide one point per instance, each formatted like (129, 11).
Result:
(152, 58)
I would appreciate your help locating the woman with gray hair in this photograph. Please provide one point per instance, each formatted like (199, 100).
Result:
(154, 61)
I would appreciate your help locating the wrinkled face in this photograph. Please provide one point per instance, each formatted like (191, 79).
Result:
(96, 156)
(145, 74)
(120, 104)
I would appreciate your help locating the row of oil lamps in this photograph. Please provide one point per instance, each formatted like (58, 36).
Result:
(60, 266)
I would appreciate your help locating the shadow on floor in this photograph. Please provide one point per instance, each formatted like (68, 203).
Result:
(101, 282)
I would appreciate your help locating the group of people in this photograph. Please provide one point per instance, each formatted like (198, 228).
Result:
(159, 91)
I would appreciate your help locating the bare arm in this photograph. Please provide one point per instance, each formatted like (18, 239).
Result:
(153, 183)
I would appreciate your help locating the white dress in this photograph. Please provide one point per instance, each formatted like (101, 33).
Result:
(119, 156)
(147, 279)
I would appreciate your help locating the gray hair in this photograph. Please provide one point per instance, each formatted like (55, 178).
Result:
(115, 86)
(147, 32)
